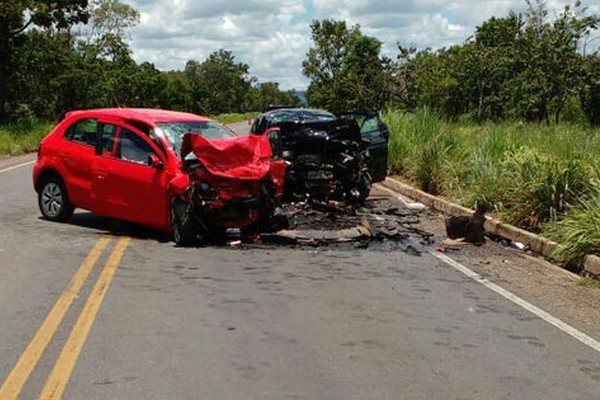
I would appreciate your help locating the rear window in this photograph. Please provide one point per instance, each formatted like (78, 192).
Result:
(83, 132)
(174, 131)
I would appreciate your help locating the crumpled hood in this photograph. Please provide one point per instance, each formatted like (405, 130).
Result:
(244, 157)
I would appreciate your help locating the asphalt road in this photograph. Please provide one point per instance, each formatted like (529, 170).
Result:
(152, 321)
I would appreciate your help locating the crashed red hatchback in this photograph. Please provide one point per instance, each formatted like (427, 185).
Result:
(166, 170)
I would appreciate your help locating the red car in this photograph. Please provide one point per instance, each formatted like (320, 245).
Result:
(128, 164)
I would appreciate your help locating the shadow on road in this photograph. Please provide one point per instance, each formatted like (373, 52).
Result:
(116, 227)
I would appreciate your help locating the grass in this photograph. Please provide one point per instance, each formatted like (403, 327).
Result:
(232, 118)
(589, 283)
(24, 137)
(541, 178)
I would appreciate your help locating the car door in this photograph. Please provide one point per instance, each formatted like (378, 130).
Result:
(375, 133)
(77, 153)
(126, 185)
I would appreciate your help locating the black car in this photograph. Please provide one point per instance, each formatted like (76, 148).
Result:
(330, 156)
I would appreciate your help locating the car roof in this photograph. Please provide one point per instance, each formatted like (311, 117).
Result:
(142, 114)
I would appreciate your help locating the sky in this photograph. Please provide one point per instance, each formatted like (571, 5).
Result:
(273, 36)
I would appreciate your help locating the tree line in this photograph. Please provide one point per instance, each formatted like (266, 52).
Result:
(61, 55)
(533, 66)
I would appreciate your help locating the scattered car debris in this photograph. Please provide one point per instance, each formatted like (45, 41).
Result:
(378, 223)
(519, 246)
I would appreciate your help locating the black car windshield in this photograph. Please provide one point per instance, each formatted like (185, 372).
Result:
(306, 115)
(209, 129)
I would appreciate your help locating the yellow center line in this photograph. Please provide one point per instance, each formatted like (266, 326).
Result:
(61, 373)
(14, 382)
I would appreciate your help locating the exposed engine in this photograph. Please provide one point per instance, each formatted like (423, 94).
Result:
(326, 161)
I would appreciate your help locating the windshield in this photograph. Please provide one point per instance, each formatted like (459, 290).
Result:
(174, 131)
(301, 115)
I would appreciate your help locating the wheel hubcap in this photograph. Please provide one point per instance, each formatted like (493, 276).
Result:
(52, 199)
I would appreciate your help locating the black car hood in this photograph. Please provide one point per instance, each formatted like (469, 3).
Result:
(299, 132)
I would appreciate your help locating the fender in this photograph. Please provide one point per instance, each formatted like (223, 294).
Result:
(179, 184)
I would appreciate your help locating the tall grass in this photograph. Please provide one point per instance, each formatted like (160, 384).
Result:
(579, 230)
(23, 137)
(532, 175)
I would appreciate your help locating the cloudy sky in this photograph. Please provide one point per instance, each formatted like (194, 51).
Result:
(273, 36)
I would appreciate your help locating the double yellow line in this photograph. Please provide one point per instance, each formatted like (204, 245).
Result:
(59, 377)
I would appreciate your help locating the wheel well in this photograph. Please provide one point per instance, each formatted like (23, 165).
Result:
(44, 176)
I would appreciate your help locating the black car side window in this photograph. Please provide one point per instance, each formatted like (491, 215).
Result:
(83, 132)
(131, 147)
(371, 129)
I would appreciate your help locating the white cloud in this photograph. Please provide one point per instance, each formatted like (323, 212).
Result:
(273, 36)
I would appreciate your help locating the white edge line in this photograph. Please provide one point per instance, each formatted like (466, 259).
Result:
(568, 329)
(16, 166)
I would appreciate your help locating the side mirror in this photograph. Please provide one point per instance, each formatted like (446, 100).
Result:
(155, 162)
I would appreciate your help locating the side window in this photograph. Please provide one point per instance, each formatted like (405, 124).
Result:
(370, 129)
(109, 133)
(83, 132)
(131, 147)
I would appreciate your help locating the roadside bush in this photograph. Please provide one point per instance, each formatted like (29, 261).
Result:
(23, 137)
(531, 175)
(579, 231)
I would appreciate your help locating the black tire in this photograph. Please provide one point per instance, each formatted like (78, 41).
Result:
(53, 199)
(365, 182)
(185, 229)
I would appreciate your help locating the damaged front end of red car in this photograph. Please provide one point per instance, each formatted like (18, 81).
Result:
(228, 183)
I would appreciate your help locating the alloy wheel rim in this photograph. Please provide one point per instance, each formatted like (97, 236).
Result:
(52, 199)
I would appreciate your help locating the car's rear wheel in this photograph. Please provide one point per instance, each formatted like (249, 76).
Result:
(185, 230)
(53, 200)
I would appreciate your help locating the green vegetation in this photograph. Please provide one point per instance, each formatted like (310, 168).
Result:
(58, 56)
(543, 178)
(233, 118)
(23, 137)
(589, 283)
(534, 66)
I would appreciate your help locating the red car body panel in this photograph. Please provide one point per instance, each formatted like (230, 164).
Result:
(111, 186)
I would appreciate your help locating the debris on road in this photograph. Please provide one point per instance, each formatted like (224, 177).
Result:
(380, 221)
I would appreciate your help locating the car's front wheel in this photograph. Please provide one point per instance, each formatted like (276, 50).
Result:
(185, 230)
(53, 200)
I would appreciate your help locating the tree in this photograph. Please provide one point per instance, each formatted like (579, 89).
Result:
(266, 94)
(345, 68)
(590, 90)
(219, 84)
(109, 25)
(16, 17)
